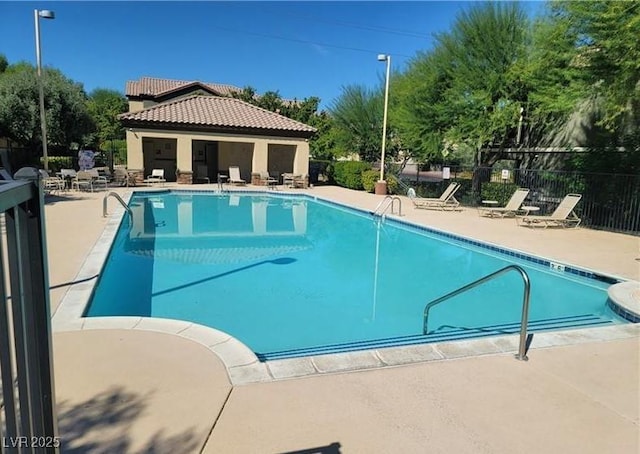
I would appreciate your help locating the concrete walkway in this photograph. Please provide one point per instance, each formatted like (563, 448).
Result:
(139, 391)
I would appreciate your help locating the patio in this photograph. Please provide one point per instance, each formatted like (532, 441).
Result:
(138, 390)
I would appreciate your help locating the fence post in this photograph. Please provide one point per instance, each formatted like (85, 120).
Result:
(29, 250)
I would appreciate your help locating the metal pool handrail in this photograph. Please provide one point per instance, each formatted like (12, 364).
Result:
(390, 203)
(119, 199)
(522, 349)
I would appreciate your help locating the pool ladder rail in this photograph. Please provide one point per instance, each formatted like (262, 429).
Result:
(119, 199)
(386, 203)
(525, 340)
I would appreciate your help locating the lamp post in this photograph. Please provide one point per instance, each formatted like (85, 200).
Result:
(45, 14)
(381, 187)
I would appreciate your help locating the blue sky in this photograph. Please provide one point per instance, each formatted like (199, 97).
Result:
(300, 49)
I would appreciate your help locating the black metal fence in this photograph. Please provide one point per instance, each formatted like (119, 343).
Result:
(609, 201)
(28, 419)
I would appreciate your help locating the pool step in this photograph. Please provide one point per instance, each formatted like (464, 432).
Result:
(448, 334)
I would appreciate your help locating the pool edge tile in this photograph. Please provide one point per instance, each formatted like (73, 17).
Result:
(291, 368)
(348, 361)
(395, 356)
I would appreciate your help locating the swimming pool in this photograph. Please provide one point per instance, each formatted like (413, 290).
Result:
(293, 276)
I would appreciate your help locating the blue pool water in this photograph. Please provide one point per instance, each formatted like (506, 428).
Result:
(291, 276)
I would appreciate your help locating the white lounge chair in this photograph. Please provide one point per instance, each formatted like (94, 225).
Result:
(563, 215)
(445, 202)
(156, 177)
(510, 209)
(234, 176)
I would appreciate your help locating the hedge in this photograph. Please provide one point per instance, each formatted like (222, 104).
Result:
(369, 179)
(348, 174)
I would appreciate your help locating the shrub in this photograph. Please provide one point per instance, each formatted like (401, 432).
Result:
(501, 192)
(348, 174)
(369, 179)
(392, 185)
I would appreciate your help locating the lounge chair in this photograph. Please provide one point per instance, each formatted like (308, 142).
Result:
(445, 202)
(157, 176)
(234, 176)
(510, 209)
(563, 215)
(268, 180)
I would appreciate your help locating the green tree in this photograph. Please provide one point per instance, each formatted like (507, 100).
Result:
(417, 109)
(586, 70)
(357, 113)
(464, 94)
(67, 117)
(302, 111)
(607, 44)
(104, 106)
(4, 63)
(323, 145)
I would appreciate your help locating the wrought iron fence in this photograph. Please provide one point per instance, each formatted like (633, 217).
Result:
(28, 422)
(609, 201)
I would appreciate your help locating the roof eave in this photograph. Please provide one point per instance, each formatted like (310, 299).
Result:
(128, 123)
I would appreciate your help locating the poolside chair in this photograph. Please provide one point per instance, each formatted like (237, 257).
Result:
(51, 184)
(445, 202)
(563, 215)
(156, 177)
(510, 209)
(98, 179)
(268, 180)
(288, 180)
(121, 177)
(82, 180)
(234, 176)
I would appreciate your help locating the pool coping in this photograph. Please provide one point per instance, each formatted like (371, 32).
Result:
(244, 367)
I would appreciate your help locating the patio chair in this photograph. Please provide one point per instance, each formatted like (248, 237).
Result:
(510, 209)
(156, 177)
(445, 202)
(287, 180)
(268, 180)
(82, 180)
(98, 180)
(563, 215)
(51, 184)
(234, 176)
(121, 177)
(292, 180)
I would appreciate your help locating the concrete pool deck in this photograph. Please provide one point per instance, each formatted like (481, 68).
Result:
(164, 392)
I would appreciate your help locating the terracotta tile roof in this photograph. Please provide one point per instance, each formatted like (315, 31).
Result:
(152, 86)
(215, 111)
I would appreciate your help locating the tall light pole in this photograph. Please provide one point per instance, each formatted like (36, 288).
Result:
(45, 14)
(387, 58)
